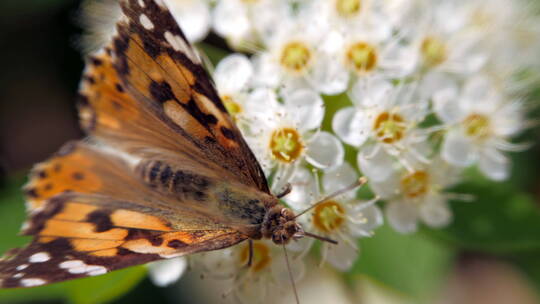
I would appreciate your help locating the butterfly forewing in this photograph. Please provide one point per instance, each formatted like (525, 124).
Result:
(164, 173)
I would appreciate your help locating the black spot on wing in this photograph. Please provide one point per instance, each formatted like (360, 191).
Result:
(101, 219)
(161, 91)
(204, 119)
(228, 133)
(176, 244)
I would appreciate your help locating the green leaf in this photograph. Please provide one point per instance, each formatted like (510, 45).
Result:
(100, 289)
(501, 219)
(104, 288)
(410, 264)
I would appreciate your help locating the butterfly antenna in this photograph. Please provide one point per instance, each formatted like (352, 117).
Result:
(361, 181)
(291, 275)
(320, 238)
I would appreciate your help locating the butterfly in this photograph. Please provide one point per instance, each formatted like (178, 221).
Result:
(164, 172)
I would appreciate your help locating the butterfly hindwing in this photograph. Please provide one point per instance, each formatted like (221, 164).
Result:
(74, 240)
(89, 214)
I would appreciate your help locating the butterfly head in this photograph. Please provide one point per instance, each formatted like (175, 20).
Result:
(280, 225)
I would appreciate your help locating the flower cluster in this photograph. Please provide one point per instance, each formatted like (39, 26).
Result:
(432, 89)
(428, 89)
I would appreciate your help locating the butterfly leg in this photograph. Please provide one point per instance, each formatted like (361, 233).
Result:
(285, 191)
(250, 258)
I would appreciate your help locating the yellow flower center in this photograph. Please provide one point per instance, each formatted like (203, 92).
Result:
(348, 8)
(232, 107)
(328, 216)
(362, 56)
(477, 126)
(261, 256)
(415, 184)
(389, 127)
(286, 145)
(434, 51)
(296, 56)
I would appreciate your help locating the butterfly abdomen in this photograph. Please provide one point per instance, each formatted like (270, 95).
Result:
(182, 183)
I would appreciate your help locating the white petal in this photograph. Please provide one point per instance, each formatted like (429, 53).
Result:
(325, 150)
(280, 271)
(267, 72)
(166, 272)
(303, 191)
(446, 105)
(193, 17)
(494, 165)
(351, 126)
(230, 19)
(307, 107)
(375, 163)
(458, 149)
(435, 212)
(233, 73)
(434, 82)
(369, 92)
(342, 256)
(328, 77)
(365, 220)
(339, 177)
(262, 104)
(402, 216)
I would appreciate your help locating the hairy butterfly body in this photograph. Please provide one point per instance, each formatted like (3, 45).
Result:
(164, 171)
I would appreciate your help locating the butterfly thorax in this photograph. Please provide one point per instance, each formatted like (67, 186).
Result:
(280, 226)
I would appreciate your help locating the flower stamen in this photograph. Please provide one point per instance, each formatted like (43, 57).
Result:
(434, 51)
(348, 8)
(328, 216)
(286, 145)
(415, 184)
(296, 56)
(362, 57)
(477, 126)
(389, 127)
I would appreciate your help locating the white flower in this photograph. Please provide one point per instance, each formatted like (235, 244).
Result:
(361, 53)
(282, 135)
(442, 42)
(293, 56)
(232, 78)
(480, 122)
(417, 195)
(386, 116)
(193, 16)
(256, 284)
(506, 28)
(344, 15)
(342, 218)
(166, 272)
(247, 22)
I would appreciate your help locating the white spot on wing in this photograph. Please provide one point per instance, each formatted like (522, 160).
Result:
(141, 3)
(79, 267)
(179, 45)
(21, 267)
(39, 257)
(32, 282)
(146, 22)
(160, 3)
(18, 275)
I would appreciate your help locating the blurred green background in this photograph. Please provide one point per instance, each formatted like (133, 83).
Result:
(493, 244)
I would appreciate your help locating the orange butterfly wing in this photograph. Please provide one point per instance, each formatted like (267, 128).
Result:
(89, 217)
(157, 72)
